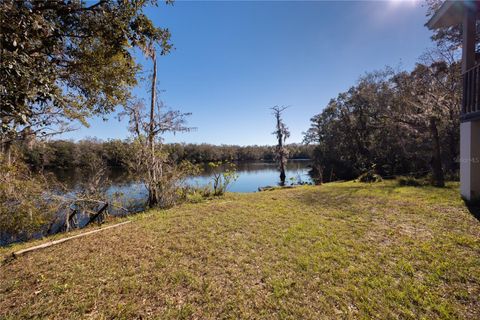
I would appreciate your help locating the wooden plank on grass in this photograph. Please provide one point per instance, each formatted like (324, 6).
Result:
(51, 243)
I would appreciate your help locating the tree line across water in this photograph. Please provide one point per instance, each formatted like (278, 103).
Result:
(67, 154)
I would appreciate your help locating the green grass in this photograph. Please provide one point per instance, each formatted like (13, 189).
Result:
(341, 250)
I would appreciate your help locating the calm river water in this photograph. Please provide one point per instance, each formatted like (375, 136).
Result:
(251, 176)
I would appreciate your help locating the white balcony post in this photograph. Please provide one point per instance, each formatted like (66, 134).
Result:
(469, 130)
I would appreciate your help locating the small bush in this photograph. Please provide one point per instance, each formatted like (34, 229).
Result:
(199, 193)
(169, 184)
(206, 191)
(222, 179)
(195, 197)
(370, 177)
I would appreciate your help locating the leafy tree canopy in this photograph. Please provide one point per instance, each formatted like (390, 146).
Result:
(68, 60)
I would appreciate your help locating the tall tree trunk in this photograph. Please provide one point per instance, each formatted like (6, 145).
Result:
(153, 190)
(282, 175)
(438, 177)
(151, 134)
(281, 151)
(453, 146)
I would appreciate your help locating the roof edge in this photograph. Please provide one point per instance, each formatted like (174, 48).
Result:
(437, 20)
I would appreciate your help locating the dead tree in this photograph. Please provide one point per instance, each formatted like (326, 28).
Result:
(150, 161)
(281, 132)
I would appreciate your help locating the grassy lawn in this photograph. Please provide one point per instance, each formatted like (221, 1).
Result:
(341, 250)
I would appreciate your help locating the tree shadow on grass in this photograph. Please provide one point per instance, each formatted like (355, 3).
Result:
(474, 208)
(345, 196)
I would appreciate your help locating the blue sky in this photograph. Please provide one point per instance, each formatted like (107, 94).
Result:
(234, 60)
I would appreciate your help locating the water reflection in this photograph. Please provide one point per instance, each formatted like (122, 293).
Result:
(251, 176)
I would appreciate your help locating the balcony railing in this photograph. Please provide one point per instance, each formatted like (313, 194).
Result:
(471, 94)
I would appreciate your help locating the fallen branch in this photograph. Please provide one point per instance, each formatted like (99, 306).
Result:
(81, 199)
(51, 243)
(96, 215)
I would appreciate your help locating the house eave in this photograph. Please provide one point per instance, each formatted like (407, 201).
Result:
(449, 14)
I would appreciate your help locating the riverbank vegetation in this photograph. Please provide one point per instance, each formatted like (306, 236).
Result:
(341, 249)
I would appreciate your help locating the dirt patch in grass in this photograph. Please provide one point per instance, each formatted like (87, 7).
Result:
(341, 250)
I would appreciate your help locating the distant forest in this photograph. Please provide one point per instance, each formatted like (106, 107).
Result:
(69, 154)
